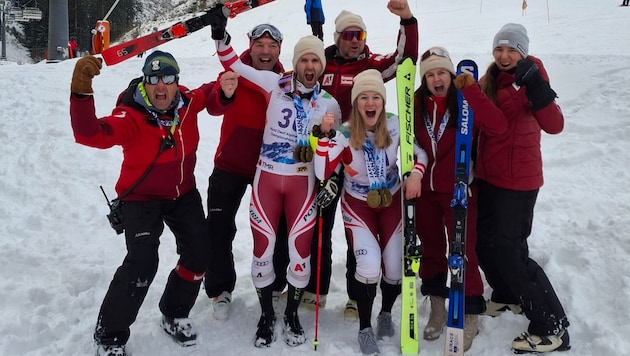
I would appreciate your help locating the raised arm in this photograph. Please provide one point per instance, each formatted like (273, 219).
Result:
(406, 43)
(222, 93)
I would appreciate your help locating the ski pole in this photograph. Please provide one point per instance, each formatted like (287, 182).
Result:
(320, 225)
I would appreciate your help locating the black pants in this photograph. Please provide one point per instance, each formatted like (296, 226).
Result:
(225, 193)
(317, 30)
(504, 224)
(144, 224)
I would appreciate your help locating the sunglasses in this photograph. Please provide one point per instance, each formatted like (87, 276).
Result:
(435, 52)
(265, 29)
(349, 35)
(166, 79)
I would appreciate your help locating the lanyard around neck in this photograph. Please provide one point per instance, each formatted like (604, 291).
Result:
(375, 165)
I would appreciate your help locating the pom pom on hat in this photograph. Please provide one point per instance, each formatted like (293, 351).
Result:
(309, 44)
(436, 57)
(160, 63)
(368, 80)
(347, 19)
(514, 36)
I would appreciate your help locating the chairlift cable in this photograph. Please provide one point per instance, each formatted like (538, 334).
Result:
(110, 10)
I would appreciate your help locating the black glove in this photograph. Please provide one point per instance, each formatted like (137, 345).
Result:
(328, 191)
(317, 132)
(217, 18)
(537, 89)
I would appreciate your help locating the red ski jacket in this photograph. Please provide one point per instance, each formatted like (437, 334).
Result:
(339, 73)
(242, 127)
(513, 160)
(440, 173)
(132, 127)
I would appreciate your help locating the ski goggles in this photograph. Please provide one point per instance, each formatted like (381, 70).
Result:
(265, 29)
(349, 35)
(166, 79)
(435, 51)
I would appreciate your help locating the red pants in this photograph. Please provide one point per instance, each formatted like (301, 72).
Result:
(433, 215)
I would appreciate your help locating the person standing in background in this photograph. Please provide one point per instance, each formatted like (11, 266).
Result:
(73, 47)
(315, 17)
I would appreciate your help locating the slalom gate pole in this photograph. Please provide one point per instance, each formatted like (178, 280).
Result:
(320, 225)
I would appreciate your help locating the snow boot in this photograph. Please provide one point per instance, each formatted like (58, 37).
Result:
(221, 305)
(293, 333)
(437, 318)
(265, 334)
(527, 343)
(495, 309)
(276, 299)
(384, 325)
(351, 311)
(471, 329)
(367, 342)
(181, 329)
(309, 301)
(110, 350)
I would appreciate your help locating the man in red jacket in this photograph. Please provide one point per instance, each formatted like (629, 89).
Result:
(234, 167)
(346, 58)
(155, 123)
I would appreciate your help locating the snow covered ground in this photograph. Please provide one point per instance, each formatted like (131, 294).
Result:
(58, 253)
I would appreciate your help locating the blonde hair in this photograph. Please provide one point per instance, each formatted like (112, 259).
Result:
(357, 129)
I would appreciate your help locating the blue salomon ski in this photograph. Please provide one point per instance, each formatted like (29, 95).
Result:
(454, 345)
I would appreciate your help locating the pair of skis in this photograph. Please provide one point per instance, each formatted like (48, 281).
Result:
(132, 48)
(454, 344)
(412, 249)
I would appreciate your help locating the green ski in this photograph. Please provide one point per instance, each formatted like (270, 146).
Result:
(412, 250)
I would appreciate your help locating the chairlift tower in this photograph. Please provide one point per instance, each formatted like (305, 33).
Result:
(58, 29)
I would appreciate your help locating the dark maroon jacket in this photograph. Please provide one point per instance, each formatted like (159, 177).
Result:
(513, 160)
(440, 173)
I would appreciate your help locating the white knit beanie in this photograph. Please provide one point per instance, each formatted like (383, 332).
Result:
(347, 19)
(309, 44)
(436, 57)
(512, 35)
(368, 80)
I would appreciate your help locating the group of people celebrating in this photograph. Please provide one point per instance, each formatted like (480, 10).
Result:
(306, 139)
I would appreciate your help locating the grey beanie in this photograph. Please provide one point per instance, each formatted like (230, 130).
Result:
(512, 35)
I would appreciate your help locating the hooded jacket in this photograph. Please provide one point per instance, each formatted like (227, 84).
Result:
(133, 128)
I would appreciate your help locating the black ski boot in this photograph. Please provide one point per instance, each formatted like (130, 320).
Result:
(293, 332)
(265, 334)
(181, 329)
